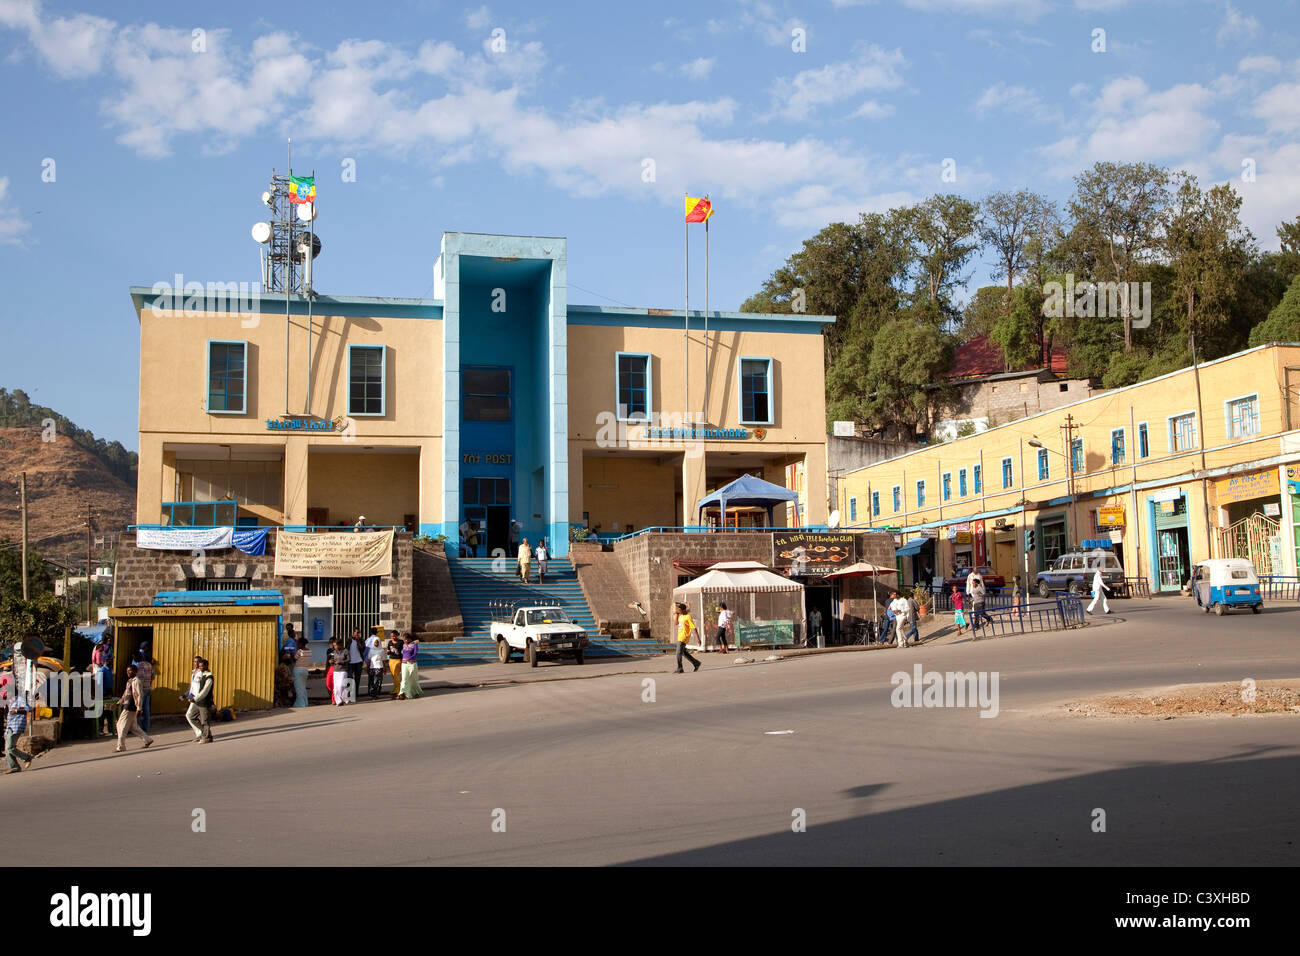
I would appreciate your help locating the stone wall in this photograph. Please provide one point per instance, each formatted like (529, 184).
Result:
(437, 609)
(141, 573)
(607, 589)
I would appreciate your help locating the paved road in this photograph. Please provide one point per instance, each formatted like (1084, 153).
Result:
(587, 772)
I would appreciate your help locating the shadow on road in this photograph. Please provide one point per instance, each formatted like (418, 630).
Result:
(1237, 810)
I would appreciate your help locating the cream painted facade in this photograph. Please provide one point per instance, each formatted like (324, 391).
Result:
(1186, 480)
(495, 401)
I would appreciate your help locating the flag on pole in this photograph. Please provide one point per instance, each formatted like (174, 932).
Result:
(302, 189)
(698, 209)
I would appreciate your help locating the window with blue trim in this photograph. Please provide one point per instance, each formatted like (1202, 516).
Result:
(1006, 472)
(1144, 441)
(227, 362)
(853, 509)
(756, 391)
(875, 504)
(1243, 417)
(1182, 432)
(633, 387)
(1117, 450)
(1042, 464)
(961, 483)
(898, 498)
(1076, 456)
(978, 478)
(947, 486)
(365, 380)
(920, 494)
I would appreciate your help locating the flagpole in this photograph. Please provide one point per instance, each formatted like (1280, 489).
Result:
(288, 283)
(311, 244)
(686, 316)
(706, 311)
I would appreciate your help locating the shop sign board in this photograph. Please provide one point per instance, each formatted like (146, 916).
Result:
(1168, 494)
(1259, 484)
(1110, 516)
(813, 552)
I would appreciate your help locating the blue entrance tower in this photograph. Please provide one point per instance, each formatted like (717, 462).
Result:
(505, 396)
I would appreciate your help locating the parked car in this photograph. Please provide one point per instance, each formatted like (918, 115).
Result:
(540, 633)
(1226, 583)
(1074, 570)
(992, 580)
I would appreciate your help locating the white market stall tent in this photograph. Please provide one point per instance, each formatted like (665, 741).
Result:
(769, 607)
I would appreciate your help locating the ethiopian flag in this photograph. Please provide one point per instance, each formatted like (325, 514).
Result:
(698, 210)
(302, 189)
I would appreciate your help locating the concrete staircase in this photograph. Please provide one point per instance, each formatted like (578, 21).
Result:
(479, 586)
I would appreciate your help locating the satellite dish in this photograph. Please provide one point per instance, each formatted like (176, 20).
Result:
(266, 198)
(307, 211)
(834, 520)
(262, 231)
(300, 247)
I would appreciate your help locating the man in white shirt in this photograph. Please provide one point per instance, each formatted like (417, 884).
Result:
(725, 618)
(902, 616)
(541, 554)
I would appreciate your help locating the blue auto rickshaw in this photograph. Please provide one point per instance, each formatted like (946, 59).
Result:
(1224, 583)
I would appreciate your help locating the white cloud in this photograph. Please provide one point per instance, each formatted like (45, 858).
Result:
(1236, 24)
(1024, 9)
(873, 110)
(1259, 64)
(72, 46)
(12, 225)
(697, 69)
(479, 19)
(1280, 107)
(1011, 98)
(872, 68)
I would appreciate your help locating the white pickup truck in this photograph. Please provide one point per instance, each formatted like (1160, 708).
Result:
(540, 633)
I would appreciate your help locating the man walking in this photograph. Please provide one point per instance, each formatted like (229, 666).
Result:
(814, 626)
(541, 555)
(979, 597)
(15, 727)
(144, 676)
(726, 619)
(913, 621)
(198, 714)
(126, 723)
(525, 558)
(685, 628)
(1099, 590)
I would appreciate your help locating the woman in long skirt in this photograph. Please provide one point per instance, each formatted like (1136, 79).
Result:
(410, 669)
(302, 661)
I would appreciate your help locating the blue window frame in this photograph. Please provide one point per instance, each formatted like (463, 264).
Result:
(1006, 472)
(978, 478)
(1117, 449)
(1076, 456)
(1182, 432)
(898, 498)
(632, 386)
(920, 494)
(202, 514)
(1043, 470)
(1242, 416)
(853, 509)
(961, 483)
(875, 504)
(1144, 441)
(756, 391)
(367, 367)
(947, 485)
(227, 377)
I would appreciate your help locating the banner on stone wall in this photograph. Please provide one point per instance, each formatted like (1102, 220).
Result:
(184, 539)
(813, 552)
(334, 554)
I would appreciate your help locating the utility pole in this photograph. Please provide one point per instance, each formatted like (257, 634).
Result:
(22, 494)
(89, 531)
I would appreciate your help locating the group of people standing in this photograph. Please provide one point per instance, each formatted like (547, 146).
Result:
(398, 654)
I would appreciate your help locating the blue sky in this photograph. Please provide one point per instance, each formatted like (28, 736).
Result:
(162, 138)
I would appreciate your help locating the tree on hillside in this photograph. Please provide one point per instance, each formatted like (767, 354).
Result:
(1008, 223)
(17, 410)
(1283, 323)
(944, 233)
(1207, 248)
(1116, 211)
(44, 617)
(903, 381)
(1016, 329)
(981, 313)
(39, 580)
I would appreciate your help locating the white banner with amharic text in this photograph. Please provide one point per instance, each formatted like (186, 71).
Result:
(334, 554)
